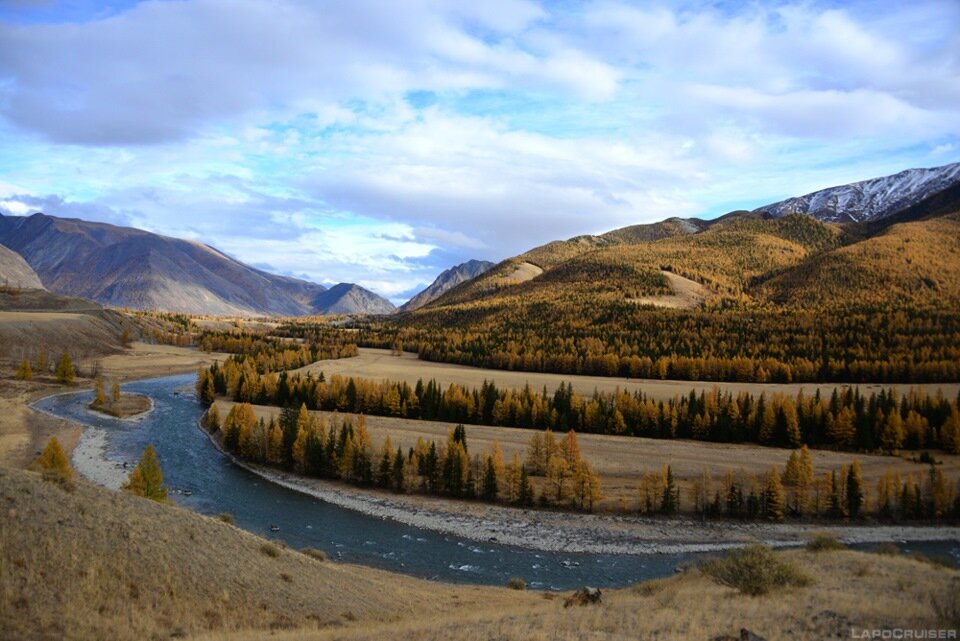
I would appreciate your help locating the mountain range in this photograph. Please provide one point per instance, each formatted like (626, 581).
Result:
(126, 267)
(889, 238)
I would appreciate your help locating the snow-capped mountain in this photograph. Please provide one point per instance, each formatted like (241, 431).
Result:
(869, 200)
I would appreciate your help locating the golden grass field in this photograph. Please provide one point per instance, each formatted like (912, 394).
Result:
(379, 364)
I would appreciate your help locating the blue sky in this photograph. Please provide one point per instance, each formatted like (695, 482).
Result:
(382, 142)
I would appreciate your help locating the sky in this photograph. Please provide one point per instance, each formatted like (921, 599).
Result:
(380, 142)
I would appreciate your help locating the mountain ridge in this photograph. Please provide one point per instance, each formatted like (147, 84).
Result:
(447, 280)
(134, 268)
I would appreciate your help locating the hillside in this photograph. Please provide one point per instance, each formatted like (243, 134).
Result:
(15, 272)
(447, 280)
(35, 320)
(347, 298)
(96, 564)
(913, 263)
(132, 268)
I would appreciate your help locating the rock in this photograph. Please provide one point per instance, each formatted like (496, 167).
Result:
(745, 635)
(584, 596)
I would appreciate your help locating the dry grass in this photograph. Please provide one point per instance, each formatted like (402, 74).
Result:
(95, 564)
(379, 364)
(896, 593)
(686, 294)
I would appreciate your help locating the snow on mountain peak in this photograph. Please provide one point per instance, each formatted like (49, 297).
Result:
(869, 199)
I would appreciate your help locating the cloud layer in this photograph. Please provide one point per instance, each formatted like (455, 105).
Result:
(380, 142)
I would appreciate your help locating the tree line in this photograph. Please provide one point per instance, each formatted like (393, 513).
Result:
(846, 420)
(731, 342)
(343, 450)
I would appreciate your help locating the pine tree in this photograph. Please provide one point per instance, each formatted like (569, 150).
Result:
(212, 421)
(99, 398)
(525, 492)
(669, 499)
(53, 463)
(773, 496)
(115, 393)
(854, 489)
(147, 479)
(834, 501)
(892, 436)
(24, 373)
(398, 471)
(64, 372)
(490, 489)
(558, 471)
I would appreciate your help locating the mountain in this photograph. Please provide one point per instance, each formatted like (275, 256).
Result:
(347, 298)
(126, 267)
(870, 200)
(15, 272)
(446, 281)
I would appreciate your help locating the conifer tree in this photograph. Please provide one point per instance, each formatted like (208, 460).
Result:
(147, 479)
(212, 421)
(834, 501)
(64, 372)
(525, 491)
(669, 500)
(115, 393)
(24, 373)
(558, 471)
(773, 496)
(398, 471)
(854, 489)
(490, 489)
(53, 463)
(99, 398)
(892, 435)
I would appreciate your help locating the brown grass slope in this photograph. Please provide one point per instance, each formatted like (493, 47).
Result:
(95, 564)
(912, 263)
(35, 319)
(849, 590)
(15, 272)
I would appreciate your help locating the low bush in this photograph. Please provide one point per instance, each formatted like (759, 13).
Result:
(824, 543)
(314, 553)
(270, 550)
(755, 570)
(516, 583)
(226, 517)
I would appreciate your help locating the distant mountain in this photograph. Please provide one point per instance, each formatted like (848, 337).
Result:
(15, 272)
(126, 267)
(347, 298)
(446, 281)
(870, 200)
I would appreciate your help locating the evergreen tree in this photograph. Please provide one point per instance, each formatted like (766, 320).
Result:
(147, 479)
(669, 500)
(398, 471)
(99, 398)
(24, 373)
(64, 371)
(212, 420)
(834, 501)
(854, 489)
(525, 492)
(490, 488)
(53, 463)
(774, 499)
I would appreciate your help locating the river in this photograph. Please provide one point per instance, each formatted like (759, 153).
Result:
(203, 479)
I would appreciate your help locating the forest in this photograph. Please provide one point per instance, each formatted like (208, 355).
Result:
(846, 420)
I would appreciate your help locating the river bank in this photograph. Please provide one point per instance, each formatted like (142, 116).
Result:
(572, 532)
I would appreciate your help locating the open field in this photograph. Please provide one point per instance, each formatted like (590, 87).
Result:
(622, 460)
(379, 364)
(686, 293)
(691, 606)
(144, 360)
